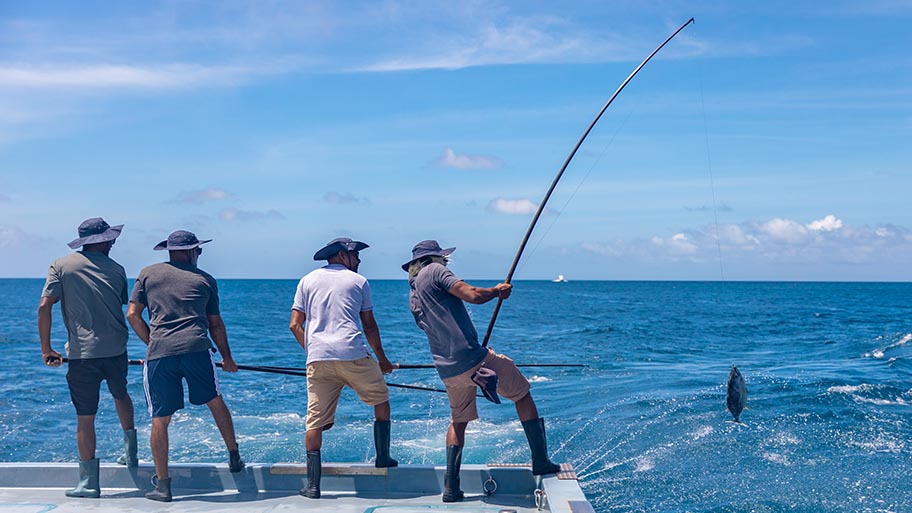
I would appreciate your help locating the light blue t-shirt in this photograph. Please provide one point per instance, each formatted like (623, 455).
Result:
(332, 299)
(445, 320)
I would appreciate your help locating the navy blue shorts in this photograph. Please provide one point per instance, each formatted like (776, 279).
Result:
(164, 388)
(84, 378)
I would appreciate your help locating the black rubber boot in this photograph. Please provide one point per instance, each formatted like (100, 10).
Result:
(129, 457)
(235, 463)
(538, 443)
(382, 443)
(162, 491)
(451, 491)
(87, 486)
(314, 469)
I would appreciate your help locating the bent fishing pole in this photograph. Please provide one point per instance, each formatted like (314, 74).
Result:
(541, 206)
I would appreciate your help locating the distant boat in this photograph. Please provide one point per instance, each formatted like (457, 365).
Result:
(560, 279)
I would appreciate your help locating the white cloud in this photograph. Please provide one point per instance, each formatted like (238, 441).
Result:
(827, 224)
(233, 214)
(203, 196)
(342, 198)
(512, 206)
(784, 231)
(460, 161)
(778, 240)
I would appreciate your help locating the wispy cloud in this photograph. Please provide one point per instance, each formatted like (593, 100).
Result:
(12, 236)
(203, 196)
(455, 160)
(233, 214)
(100, 76)
(721, 207)
(341, 198)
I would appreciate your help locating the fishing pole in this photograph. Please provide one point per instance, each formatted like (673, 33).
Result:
(432, 366)
(541, 206)
(289, 371)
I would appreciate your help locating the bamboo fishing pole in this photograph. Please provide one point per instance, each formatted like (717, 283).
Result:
(541, 206)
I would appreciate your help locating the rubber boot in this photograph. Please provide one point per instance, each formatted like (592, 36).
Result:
(314, 469)
(538, 443)
(162, 491)
(88, 481)
(382, 443)
(235, 463)
(451, 491)
(129, 457)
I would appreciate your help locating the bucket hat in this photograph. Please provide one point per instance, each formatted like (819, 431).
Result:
(179, 241)
(486, 379)
(427, 248)
(336, 245)
(94, 231)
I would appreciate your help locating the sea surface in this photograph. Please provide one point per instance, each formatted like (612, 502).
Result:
(828, 367)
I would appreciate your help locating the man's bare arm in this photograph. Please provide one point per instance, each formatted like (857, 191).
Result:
(48, 355)
(135, 318)
(220, 337)
(480, 295)
(296, 325)
(372, 333)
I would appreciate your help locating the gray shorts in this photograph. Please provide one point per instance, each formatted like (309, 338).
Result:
(84, 378)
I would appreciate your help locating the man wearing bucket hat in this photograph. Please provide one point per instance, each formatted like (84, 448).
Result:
(92, 289)
(184, 311)
(436, 300)
(335, 303)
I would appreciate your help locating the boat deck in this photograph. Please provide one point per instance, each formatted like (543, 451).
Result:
(346, 488)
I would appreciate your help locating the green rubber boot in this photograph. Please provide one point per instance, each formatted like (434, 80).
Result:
(314, 471)
(162, 491)
(88, 481)
(129, 458)
(538, 444)
(382, 443)
(451, 491)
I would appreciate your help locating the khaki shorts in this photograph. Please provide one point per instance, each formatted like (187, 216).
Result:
(326, 379)
(461, 390)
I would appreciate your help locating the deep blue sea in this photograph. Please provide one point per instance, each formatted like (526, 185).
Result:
(828, 367)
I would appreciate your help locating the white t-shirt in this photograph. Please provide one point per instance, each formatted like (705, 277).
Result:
(332, 298)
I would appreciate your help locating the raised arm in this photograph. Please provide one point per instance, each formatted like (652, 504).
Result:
(372, 333)
(480, 295)
(48, 355)
(220, 337)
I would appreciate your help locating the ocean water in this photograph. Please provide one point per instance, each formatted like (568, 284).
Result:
(828, 367)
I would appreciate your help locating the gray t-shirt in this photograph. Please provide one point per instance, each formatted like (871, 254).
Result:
(445, 320)
(179, 297)
(92, 289)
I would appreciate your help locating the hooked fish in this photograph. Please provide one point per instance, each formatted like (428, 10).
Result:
(737, 394)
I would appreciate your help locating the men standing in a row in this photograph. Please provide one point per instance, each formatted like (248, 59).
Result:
(92, 289)
(436, 300)
(184, 311)
(335, 303)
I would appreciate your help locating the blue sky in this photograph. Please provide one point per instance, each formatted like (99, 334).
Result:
(766, 142)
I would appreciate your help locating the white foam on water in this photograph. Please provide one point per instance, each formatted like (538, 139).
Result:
(644, 464)
(702, 432)
(538, 379)
(779, 459)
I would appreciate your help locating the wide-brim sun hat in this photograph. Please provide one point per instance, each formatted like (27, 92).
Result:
(427, 248)
(336, 245)
(95, 231)
(179, 241)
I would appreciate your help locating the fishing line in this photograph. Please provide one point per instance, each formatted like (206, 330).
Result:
(578, 186)
(712, 184)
